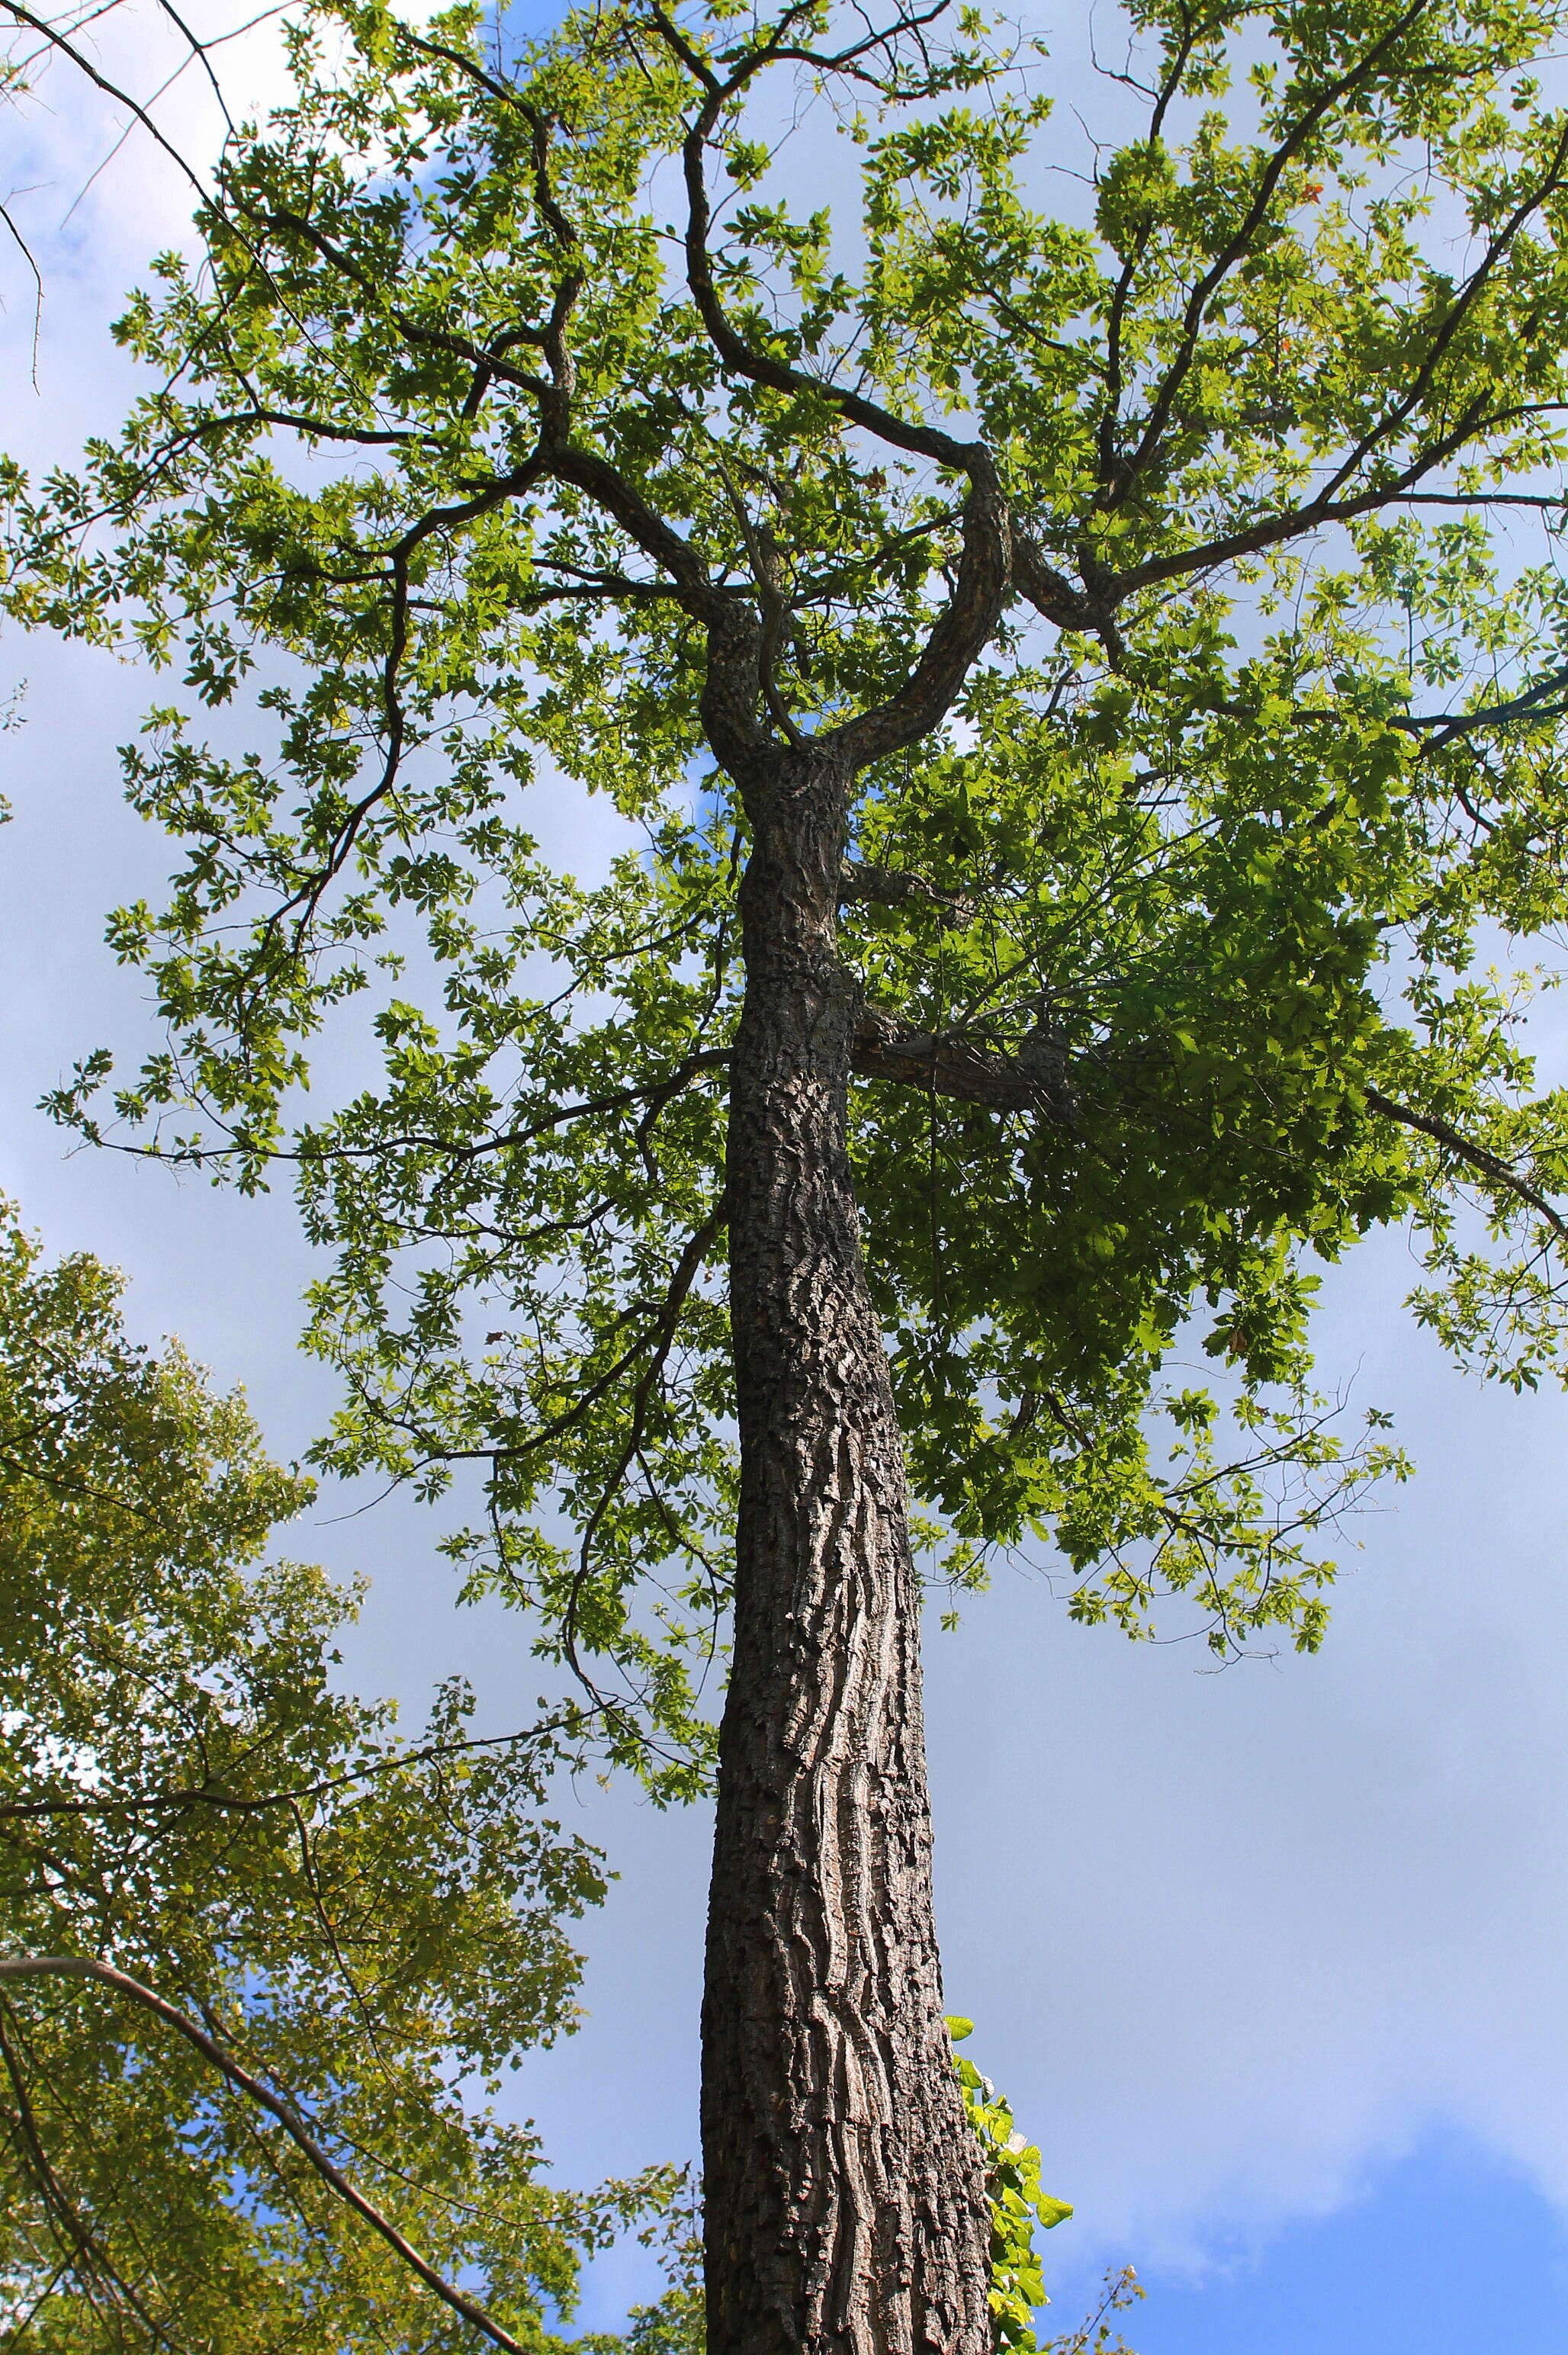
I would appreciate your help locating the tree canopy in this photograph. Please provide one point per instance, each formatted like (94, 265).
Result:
(485, 409)
(370, 1928)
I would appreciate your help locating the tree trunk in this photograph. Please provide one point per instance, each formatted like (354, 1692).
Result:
(846, 2203)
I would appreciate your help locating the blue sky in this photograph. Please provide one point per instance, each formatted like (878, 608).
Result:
(1272, 1963)
(1447, 2251)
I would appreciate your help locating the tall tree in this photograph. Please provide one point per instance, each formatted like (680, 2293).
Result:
(260, 1956)
(1078, 706)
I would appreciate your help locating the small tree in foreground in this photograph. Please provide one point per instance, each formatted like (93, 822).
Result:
(258, 1954)
(1082, 696)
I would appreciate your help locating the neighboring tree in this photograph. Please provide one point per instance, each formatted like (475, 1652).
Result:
(1082, 697)
(258, 1955)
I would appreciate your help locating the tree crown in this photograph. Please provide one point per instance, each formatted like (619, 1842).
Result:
(697, 391)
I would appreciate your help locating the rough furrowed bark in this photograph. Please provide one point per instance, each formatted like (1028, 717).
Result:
(847, 2212)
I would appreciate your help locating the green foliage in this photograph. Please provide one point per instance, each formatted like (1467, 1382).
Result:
(372, 1926)
(1018, 2203)
(449, 460)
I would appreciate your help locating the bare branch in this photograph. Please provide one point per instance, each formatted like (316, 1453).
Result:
(89, 2251)
(1057, 600)
(436, 339)
(1110, 417)
(763, 368)
(1270, 531)
(687, 1269)
(235, 1803)
(26, 253)
(957, 638)
(55, 40)
(1549, 502)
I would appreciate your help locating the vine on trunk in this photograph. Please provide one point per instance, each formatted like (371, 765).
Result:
(1017, 2202)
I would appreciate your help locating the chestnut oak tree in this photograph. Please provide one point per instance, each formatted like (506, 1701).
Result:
(1072, 636)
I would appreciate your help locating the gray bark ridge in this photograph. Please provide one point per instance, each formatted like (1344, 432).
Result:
(845, 2189)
